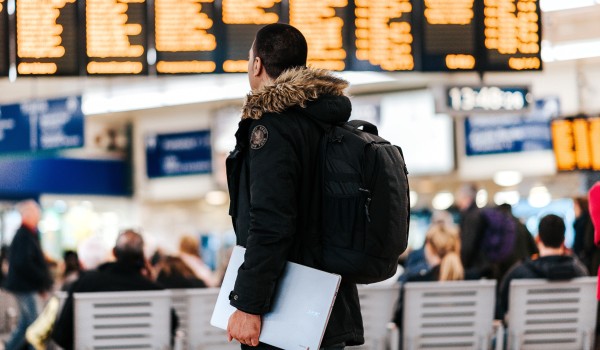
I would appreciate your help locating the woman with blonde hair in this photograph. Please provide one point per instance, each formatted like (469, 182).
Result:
(189, 252)
(442, 253)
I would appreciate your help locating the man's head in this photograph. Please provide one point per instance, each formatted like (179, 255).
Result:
(465, 196)
(551, 231)
(129, 249)
(277, 47)
(30, 213)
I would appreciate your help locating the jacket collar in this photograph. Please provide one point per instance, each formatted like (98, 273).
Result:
(294, 87)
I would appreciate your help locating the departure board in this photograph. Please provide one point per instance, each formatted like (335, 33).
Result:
(449, 35)
(115, 37)
(383, 35)
(241, 20)
(512, 35)
(576, 143)
(141, 37)
(322, 22)
(47, 37)
(184, 36)
(3, 39)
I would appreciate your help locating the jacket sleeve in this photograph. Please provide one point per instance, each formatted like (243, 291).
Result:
(273, 168)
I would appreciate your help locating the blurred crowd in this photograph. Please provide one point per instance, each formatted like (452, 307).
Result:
(488, 243)
(31, 277)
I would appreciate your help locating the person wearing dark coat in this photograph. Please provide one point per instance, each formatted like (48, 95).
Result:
(175, 274)
(552, 263)
(130, 272)
(274, 188)
(28, 273)
(471, 232)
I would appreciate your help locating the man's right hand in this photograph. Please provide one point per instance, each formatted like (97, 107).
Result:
(244, 327)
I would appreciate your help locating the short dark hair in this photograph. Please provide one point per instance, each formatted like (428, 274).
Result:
(129, 248)
(552, 231)
(280, 47)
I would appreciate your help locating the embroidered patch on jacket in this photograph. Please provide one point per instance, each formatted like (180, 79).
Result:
(259, 137)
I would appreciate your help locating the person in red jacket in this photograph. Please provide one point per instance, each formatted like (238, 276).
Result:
(594, 203)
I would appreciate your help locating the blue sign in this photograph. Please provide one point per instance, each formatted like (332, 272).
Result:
(31, 176)
(41, 125)
(511, 133)
(178, 154)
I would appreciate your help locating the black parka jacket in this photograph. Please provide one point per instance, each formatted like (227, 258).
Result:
(28, 271)
(275, 190)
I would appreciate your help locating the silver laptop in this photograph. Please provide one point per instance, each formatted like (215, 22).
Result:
(300, 310)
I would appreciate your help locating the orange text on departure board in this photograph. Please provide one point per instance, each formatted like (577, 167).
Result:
(576, 143)
(382, 38)
(449, 11)
(595, 142)
(563, 144)
(38, 34)
(583, 156)
(249, 11)
(107, 34)
(318, 22)
(511, 27)
(182, 26)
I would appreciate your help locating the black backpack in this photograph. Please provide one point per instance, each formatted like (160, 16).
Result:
(366, 209)
(499, 235)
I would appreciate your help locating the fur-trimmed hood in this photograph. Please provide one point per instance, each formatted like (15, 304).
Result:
(310, 88)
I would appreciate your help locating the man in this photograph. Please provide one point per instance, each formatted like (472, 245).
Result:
(552, 263)
(128, 273)
(28, 273)
(274, 184)
(471, 231)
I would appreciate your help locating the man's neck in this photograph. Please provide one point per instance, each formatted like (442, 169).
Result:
(547, 251)
(30, 227)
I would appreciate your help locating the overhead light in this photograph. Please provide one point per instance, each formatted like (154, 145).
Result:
(481, 198)
(442, 200)
(414, 197)
(508, 197)
(539, 197)
(507, 178)
(560, 5)
(216, 198)
(571, 50)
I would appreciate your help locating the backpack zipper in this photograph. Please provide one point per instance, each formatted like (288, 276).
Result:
(367, 203)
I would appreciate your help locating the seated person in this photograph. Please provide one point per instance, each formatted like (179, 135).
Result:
(442, 253)
(130, 272)
(416, 264)
(173, 273)
(551, 264)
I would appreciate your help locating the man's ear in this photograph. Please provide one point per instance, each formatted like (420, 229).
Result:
(258, 66)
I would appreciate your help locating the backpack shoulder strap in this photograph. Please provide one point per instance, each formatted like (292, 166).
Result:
(367, 127)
